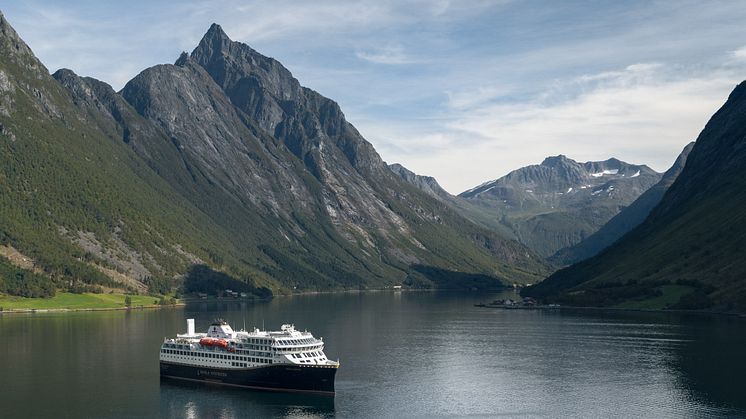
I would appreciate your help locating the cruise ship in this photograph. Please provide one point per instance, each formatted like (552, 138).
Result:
(284, 360)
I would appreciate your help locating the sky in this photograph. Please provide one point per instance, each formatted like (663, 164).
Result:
(464, 91)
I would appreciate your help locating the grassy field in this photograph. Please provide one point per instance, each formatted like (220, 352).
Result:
(65, 300)
(671, 296)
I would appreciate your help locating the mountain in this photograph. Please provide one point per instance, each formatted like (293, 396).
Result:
(560, 202)
(627, 219)
(218, 168)
(475, 213)
(78, 209)
(424, 183)
(688, 253)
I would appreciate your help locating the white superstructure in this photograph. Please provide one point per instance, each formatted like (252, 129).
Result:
(222, 347)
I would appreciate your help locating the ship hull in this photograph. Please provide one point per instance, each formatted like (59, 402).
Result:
(278, 377)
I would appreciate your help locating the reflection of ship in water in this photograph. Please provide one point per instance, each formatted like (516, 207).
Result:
(189, 399)
(284, 360)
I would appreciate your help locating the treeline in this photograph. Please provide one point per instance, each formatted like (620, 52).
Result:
(201, 278)
(615, 292)
(434, 277)
(24, 283)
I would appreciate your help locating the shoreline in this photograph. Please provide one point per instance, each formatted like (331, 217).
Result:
(184, 301)
(66, 310)
(620, 309)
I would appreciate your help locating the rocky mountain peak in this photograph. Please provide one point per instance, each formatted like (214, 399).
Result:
(182, 59)
(555, 161)
(214, 44)
(216, 32)
(236, 66)
(265, 91)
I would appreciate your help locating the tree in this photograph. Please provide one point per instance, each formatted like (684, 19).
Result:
(127, 301)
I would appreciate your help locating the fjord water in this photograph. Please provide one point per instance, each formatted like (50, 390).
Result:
(403, 355)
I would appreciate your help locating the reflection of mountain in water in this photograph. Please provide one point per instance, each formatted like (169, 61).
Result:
(197, 400)
(710, 363)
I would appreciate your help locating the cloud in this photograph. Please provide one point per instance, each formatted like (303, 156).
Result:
(389, 55)
(644, 113)
(739, 54)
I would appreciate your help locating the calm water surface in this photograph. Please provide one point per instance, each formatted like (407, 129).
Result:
(402, 354)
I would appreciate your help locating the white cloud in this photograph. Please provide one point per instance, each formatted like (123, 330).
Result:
(388, 55)
(739, 54)
(643, 113)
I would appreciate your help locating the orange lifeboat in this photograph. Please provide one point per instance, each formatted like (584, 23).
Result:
(221, 343)
(207, 342)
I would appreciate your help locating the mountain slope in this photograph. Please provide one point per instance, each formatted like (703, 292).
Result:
(627, 219)
(560, 202)
(308, 202)
(477, 214)
(427, 184)
(692, 242)
(181, 176)
(75, 200)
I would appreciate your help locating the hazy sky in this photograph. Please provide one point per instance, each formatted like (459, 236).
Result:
(461, 90)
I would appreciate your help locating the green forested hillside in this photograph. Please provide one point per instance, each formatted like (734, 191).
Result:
(695, 238)
(61, 175)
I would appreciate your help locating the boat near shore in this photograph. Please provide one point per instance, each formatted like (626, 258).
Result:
(527, 303)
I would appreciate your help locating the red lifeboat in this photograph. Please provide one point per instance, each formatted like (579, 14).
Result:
(221, 343)
(207, 341)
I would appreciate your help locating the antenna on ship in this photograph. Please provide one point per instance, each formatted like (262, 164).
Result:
(244, 322)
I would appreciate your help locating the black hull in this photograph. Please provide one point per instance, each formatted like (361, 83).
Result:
(279, 377)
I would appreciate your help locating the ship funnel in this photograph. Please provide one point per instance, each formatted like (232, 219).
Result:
(190, 327)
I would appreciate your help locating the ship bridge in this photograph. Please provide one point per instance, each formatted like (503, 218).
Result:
(221, 330)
